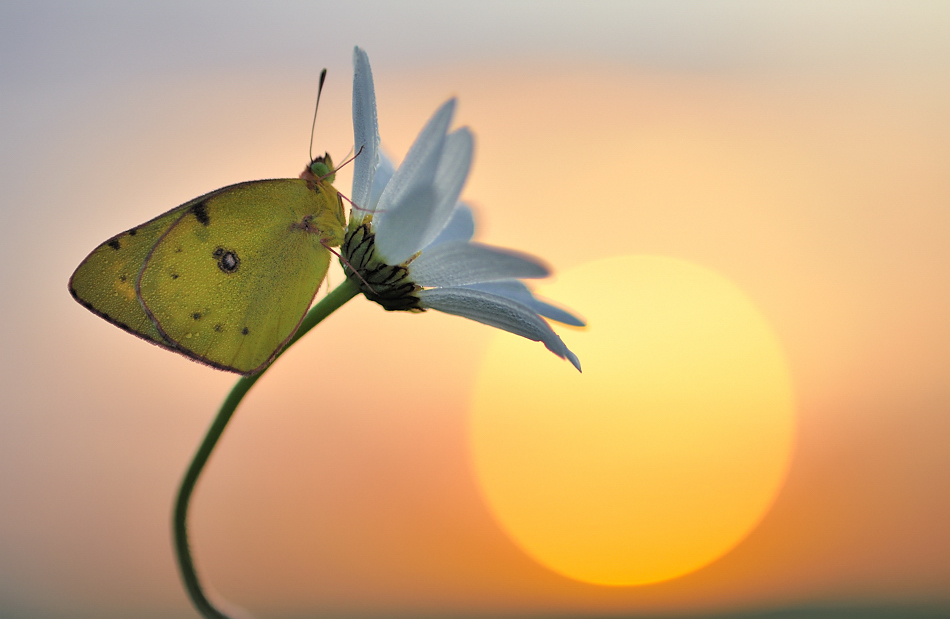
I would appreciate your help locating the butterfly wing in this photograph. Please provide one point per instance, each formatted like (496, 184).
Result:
(228, 282)
(104, 283)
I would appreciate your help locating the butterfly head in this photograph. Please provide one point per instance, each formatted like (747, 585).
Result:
(320, 168)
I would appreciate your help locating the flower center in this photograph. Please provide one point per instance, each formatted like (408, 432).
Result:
(389, 285)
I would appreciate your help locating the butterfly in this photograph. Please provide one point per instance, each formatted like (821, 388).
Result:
(226, 278)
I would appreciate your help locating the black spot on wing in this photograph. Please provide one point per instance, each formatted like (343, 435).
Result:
(244, 331)
(114, 244)
(174, 275)
(133, 232)
(201, 213)
(217, 328)
(196, 316)
(228, 261)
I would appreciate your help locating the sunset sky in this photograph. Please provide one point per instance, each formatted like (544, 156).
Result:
(749, 202)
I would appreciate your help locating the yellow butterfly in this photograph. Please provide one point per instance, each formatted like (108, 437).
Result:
(226, 278)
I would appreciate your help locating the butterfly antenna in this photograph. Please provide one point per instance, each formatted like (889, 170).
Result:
(313, 127)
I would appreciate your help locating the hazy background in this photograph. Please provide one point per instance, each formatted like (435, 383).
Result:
(801, 149)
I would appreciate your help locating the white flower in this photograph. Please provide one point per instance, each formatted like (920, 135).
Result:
(408, 244)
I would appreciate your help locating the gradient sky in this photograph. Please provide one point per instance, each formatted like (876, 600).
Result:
(798, 149)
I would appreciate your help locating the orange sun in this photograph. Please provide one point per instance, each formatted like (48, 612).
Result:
(669, 448)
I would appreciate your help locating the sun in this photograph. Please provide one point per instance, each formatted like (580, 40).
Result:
(669, 448)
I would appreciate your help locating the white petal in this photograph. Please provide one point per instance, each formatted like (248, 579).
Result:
(459, 262)
(422, 160)
(384, 173)
(461, 226)
(516, 291)
(398, 236)
(365, 130)
(454, 166)
(497, 312)
(406, 205)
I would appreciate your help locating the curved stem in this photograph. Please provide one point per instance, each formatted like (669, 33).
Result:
(330, 303)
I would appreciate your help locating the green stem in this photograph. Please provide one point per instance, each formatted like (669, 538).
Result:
(330, 303)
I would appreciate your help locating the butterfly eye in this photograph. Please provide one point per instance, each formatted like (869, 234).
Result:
(319, 169)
